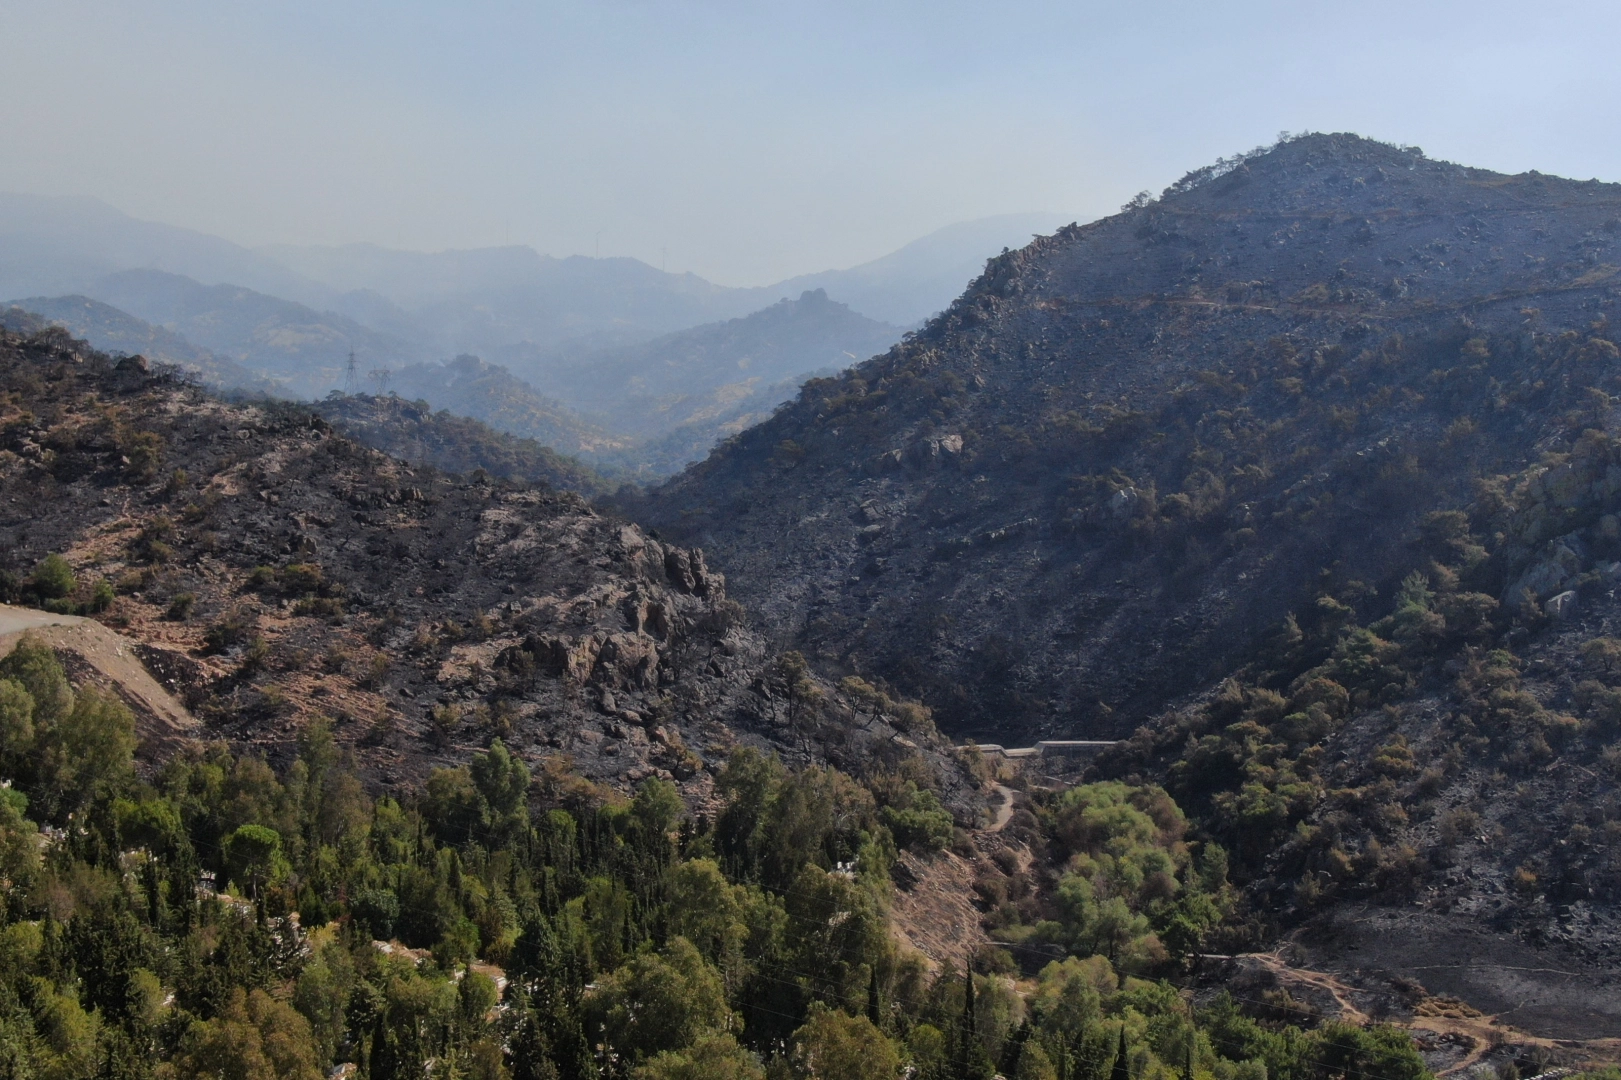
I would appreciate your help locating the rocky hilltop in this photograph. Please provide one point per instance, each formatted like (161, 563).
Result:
(1130, 449)
(273, 570)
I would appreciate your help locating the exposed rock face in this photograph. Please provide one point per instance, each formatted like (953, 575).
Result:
(1130, 449)
(273, 570)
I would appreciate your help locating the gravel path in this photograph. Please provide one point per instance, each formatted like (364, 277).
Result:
(15, 620)
(160, 720)
(1004, 812)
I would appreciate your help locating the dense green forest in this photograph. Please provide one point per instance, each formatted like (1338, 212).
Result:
(218, 919)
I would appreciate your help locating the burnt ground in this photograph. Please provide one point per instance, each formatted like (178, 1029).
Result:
(1550, 990)
(275, 571)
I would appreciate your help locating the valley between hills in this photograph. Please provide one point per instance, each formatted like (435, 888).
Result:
(1300, 485)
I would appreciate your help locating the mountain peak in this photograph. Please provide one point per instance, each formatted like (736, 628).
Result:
(1068, 352)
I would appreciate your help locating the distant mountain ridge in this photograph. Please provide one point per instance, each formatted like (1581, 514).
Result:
(304, 348)
(115, 331)
(662, 406)
(482, 299)
(397, 426)
(707, 371)
(645, 411)
(662, 366)
(912, 283)
(57, 244)
(473, 300)
(517, 288)
(405, 430)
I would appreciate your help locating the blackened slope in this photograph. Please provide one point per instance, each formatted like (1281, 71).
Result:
(1130, 448)
(413, 432)
(276, 571)
(404, 429)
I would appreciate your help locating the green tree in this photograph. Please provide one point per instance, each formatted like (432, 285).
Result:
(321, 995)
(749, 783)
(834, 930)
(20, 860)
(53, 578)
(476, 995)
(33, 664)
(16, 726)
(712, 1057)
(657, 806)
(452, 805)
(88, 755)
(502, 782)
(969, 1060)
(834, 1045)
(1373, 1053)
(819, 815)
(67, 750)
(68, 1035)
(1034, 1064)
(253, 855)
(662, 1001)
(255, 1037)
(923, 824)
(151, 823)
(1069, 992)
(929, 1049)
(707, 910)
(1121, 1070)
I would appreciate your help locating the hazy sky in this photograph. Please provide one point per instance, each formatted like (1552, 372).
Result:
(752, 140)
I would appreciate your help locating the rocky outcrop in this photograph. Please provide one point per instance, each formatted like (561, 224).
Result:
(271, 571)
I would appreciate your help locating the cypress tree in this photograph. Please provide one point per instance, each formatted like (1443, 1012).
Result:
(1122, 1067)
(535, 953)
(383, 1063)
(970, 1060)
(152, 884)
(1015, 1049)
(873, 1012)
(182, 876)
(531, 1053)
(54, 960)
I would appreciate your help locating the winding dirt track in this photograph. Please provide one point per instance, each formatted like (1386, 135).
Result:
(1318, 980)
(1004, 811)
(1439, 1016)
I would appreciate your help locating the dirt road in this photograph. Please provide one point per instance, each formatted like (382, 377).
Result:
(1004, 811)
(15, 620)
(111, 660)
